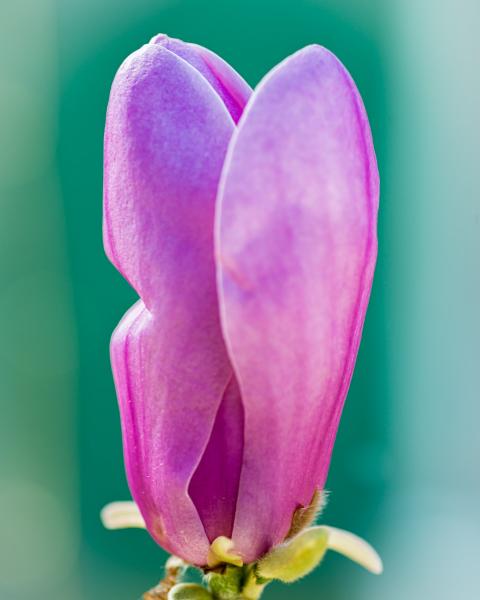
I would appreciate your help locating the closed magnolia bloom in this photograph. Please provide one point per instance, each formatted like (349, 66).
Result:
(246, 222)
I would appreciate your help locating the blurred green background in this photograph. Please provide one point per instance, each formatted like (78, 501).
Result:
(405, 472)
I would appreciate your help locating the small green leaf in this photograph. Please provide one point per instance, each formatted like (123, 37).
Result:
(189, 591)
(354, 548)
(122, 515)
(296, 557)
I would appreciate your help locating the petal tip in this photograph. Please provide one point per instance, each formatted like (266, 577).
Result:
(159, 38)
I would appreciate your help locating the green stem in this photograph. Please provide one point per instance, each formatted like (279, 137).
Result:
(252, 590)
(173, 572)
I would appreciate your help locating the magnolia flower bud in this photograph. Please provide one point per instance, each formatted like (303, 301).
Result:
(246, 222)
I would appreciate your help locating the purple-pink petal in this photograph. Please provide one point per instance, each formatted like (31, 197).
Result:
(233, 85)
(166, 135)
(296, 249)
(229, 85)
(214, 485)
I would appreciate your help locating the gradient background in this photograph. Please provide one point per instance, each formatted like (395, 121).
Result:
(405, 472)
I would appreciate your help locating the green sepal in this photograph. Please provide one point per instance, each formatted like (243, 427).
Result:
(295, 558)
(189, 591)
(226, 585)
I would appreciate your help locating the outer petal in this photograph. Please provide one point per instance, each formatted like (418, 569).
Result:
(232, 89)
(296, 248)
(237, 88)
(166, 136)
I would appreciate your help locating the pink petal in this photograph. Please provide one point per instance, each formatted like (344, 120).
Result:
(166, 136)
(296, 249)
(214, 485)
(236, 87)
(232, 89)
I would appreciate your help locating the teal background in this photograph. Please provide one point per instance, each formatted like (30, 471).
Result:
(405, 472)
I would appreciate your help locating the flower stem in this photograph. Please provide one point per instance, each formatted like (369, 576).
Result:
(173, 572)
(252, 590)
